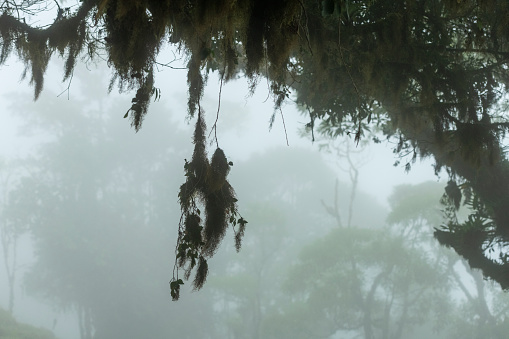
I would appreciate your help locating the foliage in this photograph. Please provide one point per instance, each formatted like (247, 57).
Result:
(475, 238)
(205, 182)
(416, 203)
(380, 287)
(10, 329)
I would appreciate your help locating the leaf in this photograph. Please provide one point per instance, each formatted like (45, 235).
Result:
(175, 289)
(454, 193)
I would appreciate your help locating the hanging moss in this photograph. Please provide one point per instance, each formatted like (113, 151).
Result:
(206, 185)
(254, 38)
(199, 165)
(195, 82)
(217, 207)
(201, 273)
(193, 229)
(218, 171)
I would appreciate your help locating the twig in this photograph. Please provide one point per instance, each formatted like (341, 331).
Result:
(311, 124)
(68, 86)
(358, 133)
(168, 65)
(284, 126)
(267, 76)
(306, 30)
(214, 127)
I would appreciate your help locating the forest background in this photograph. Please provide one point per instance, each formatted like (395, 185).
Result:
(75, 211)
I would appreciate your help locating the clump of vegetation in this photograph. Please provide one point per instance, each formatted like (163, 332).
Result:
(199, 236)
(11, 329)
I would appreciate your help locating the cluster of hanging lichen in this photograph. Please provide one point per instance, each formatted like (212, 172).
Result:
(68, 35)
(258, 35)
(201, 233)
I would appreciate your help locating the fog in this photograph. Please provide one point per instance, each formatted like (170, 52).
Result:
(339, 242)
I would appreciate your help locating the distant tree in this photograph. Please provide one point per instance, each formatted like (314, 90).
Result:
(377, 283)
(10, 229)
(358, 281)
(388, 282)
(480, 307)
(432, 74)
(484, 309)
(343, 149)
(245, 287)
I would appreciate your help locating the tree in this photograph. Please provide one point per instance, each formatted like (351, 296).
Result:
(431, 73)
(9, 233)
(481, 306)
(380, 288)
(391, 282)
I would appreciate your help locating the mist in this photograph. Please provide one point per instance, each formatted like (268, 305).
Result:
(339, 242)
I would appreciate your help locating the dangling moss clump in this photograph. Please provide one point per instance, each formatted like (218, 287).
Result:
(195, 82)
(252, 37)
(206, 185)
(201, 273)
